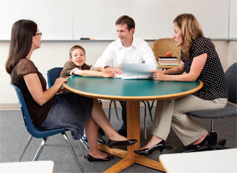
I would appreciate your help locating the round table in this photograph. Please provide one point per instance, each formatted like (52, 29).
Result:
(132, 91)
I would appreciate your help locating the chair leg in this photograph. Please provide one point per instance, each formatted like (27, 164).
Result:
(109, 113)
(145, 121)
(150, 109)
(116, 111)
(83, 155)
(26, 146)
(73, 152)
(40, 149)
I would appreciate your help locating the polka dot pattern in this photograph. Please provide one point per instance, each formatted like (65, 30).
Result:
(212, 73)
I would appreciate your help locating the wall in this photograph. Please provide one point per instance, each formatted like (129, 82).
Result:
(52, 54)
(73, 19)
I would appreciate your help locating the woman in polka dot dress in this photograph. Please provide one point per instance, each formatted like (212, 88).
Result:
(200, 61)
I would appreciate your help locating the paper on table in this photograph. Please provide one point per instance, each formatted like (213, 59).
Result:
(136, 71)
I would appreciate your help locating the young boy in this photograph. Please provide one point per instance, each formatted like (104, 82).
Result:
(77, 66)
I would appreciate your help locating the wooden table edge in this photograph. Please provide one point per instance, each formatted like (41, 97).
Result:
(134, 98)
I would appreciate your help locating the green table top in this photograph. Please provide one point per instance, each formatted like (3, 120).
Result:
(133, 89)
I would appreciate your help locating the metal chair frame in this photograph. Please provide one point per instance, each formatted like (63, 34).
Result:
(34, 132)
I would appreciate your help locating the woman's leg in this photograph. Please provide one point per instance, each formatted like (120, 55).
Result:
(171, 113)
(184, 126)
(92, 133)
(100, 118)
(162, 122)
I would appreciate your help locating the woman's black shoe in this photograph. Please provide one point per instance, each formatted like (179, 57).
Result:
(159, 146)
(94, 159)
(206, 141)
(112, 143)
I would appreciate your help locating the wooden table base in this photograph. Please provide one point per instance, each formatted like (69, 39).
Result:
(133, 132)
(127, 161)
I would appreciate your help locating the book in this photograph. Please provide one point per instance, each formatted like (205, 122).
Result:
(167, 58)
(136, 71)
(168, 63)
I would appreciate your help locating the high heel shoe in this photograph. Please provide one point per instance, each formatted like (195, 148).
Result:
(206, 141)
(159, 146)
(112, 143)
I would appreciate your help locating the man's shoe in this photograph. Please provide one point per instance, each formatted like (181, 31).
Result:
(100, 139)
(83, 140)
(101, 132)
(122, 132)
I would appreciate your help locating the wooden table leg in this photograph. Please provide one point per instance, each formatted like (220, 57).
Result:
(133, 132)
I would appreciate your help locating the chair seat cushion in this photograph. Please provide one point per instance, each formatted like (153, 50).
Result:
(228, 111)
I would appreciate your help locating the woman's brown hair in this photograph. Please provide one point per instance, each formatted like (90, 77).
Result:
(190, 30)
(21, 41)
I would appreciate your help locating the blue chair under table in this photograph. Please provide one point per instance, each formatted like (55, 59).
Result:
(229, 110)
(34, 132)
(53, 74)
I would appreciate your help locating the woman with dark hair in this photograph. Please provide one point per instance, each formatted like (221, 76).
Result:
(199, 61)
(48, 110)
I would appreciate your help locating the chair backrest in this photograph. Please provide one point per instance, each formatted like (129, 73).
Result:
(161, 46)
(53, 74)
(26, 116)
(27, 120)
(231, 79)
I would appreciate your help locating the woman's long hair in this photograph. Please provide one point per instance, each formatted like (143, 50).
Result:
(190, 30)
(21, 41)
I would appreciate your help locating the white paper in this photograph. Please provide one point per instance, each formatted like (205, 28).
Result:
(136, 71)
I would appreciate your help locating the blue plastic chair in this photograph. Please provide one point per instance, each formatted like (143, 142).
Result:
(34, 132)
(53, 74)
(228, 111)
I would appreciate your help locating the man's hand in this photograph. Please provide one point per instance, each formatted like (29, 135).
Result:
(115, 70)
(108, 73)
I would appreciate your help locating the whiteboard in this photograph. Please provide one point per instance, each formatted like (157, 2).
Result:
(53, 17)
(73, 19)
(233, 20)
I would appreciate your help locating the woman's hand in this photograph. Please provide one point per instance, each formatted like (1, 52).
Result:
(59, 81)
(158, 75)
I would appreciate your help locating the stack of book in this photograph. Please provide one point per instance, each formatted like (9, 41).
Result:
(168, 61)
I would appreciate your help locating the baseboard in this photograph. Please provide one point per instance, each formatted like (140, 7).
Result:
(9, 106)
(15, 106)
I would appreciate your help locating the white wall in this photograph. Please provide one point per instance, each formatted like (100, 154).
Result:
(52, 54)
(73, 19)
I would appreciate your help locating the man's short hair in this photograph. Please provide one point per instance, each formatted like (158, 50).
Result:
(126, 20)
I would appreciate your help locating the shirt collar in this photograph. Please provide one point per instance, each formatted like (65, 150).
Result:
(134, 43)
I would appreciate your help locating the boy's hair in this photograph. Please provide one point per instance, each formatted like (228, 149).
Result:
(76, 47)
(126, 20)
